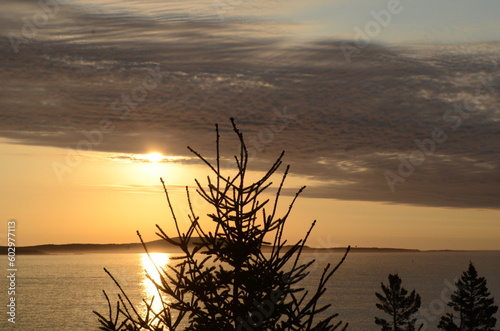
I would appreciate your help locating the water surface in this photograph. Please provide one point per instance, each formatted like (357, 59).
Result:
(59, 292)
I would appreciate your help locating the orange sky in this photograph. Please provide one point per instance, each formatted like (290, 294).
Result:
(106, 201)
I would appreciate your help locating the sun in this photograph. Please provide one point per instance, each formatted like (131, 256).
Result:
(153, 157)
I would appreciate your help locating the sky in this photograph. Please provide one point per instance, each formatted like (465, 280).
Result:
(388, 111)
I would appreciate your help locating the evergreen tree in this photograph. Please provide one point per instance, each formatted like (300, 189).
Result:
(472, 301)
(396, 302)
(241, 275)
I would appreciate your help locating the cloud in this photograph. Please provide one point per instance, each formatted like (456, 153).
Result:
(134, 158)
(141, 189)
(344, 124)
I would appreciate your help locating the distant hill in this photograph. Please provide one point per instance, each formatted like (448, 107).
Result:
(153, 246)
(161, 246)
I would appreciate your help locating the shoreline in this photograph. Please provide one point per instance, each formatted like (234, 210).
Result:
(159, 246)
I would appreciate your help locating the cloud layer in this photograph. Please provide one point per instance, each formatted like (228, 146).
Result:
(163, 84)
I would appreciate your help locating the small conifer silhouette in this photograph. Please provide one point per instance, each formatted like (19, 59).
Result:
(472, 301)
(400, 306)
(225, 280)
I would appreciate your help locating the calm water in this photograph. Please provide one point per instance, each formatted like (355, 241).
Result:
(59, 292)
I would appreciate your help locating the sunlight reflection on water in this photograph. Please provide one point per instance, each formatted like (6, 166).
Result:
(59, 292)
(153, 265)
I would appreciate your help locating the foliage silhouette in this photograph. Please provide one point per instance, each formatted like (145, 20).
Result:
(396, 302)
(473, 303)
(224, 280)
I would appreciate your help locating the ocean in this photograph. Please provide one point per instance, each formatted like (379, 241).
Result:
(59, 292)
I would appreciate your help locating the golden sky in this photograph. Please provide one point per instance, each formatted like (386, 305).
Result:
(105, 201)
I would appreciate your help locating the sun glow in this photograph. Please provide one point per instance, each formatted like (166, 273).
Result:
(153, 157)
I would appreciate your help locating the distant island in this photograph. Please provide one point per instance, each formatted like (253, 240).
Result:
(161, 246)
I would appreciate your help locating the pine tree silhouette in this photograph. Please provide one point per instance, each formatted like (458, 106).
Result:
(396, 302)
(225, 280)
(472, 301)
